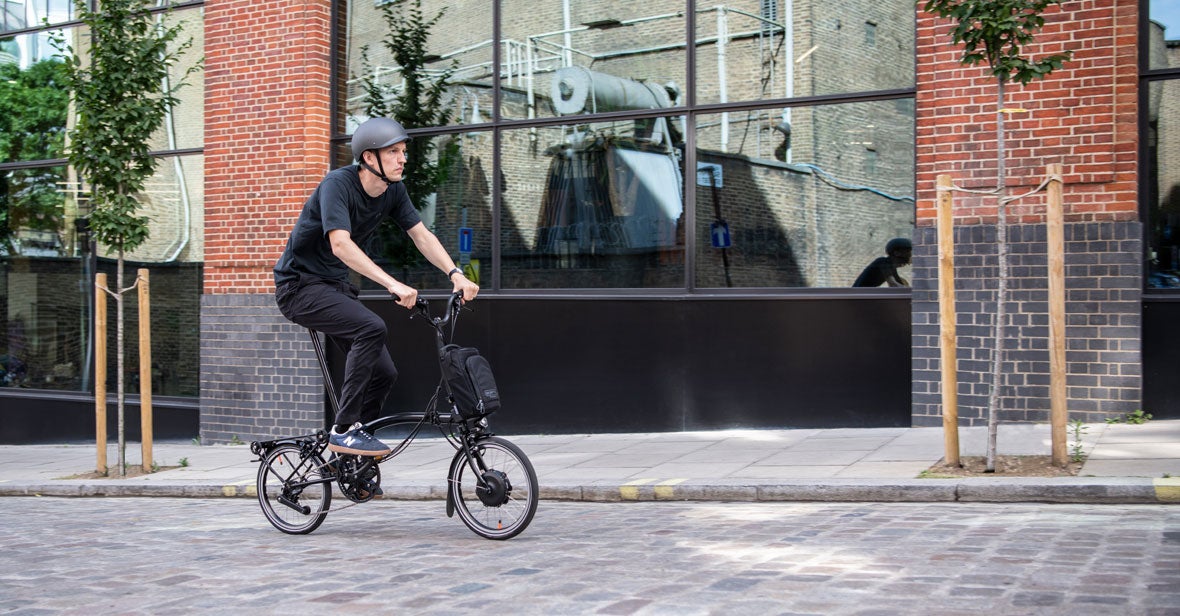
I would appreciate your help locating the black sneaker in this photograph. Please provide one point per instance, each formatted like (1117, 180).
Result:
(357, 442)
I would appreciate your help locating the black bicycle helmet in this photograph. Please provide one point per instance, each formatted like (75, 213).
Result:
(898, 243)
(376, 133)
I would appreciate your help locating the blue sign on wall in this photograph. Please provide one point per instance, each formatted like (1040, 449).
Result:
(465, 234)
(719, 231)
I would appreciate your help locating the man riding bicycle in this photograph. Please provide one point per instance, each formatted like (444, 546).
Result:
(311, 276)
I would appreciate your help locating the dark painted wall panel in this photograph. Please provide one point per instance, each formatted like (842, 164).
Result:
(59, 419)
(621, 365)
(1161, 359)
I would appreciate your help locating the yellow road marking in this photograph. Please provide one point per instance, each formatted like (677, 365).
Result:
(1167, 489)
(665, 488)
(630, 490)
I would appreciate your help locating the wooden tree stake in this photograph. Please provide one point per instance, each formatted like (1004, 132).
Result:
(145, 371)
(946, 320)
(100, 372)
(1055, 245)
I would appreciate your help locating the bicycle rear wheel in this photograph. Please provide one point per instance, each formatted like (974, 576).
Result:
(292, 491)
(500, 502)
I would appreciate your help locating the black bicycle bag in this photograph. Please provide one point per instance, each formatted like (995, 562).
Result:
(470, 377)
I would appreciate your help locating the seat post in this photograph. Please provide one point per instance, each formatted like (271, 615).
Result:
(319, 354)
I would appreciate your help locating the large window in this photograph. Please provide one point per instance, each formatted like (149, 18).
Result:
(659, 146)
(1162, 165)
(47, 258)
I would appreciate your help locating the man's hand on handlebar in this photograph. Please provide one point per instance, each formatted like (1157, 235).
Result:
(464, 287)
(405, 295)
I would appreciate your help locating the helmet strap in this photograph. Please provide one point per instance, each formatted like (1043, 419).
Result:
(381, 173)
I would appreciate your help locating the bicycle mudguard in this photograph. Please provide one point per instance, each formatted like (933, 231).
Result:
(451, 481)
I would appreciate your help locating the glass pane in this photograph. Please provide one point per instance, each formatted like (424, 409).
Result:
(25, 50)
(456, 60)
(753, 50)
(45, 280)
(806, 206)
(176, 337)
(44, 323)
(592, 206)
(449, 179)
(21, 14)
(33, 110)
(43, 307)
(569, 58)
(1163, 185)
(1163, 32)
(184, 125)
(174, 202)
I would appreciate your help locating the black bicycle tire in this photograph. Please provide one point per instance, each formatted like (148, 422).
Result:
(268, 499)
(461, 473)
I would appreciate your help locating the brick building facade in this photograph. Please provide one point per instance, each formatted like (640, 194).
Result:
(1084, 117)
(267, 143)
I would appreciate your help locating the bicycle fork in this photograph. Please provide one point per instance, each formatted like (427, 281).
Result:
(477, 469)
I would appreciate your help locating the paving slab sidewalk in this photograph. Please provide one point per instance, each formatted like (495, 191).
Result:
(1125, 463)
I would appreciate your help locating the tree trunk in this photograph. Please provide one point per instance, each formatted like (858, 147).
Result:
(119, 363)
(1000, 323)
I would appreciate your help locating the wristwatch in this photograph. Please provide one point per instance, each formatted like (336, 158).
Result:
(451, 274)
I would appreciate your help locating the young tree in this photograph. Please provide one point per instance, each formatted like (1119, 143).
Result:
(116, 82)
(419, 103)
(995, 31)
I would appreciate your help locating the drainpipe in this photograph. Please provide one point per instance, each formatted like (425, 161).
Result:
(567, 54)
(722, 84)
(789, 64)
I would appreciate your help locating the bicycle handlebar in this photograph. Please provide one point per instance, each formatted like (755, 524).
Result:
(454, 304)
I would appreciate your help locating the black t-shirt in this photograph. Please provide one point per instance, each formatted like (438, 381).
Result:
(877, 273)
(339, 202)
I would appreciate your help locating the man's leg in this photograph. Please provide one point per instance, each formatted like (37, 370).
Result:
(368, 371)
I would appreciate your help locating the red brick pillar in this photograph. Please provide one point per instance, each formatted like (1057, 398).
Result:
(267, 129)
(1083, 116)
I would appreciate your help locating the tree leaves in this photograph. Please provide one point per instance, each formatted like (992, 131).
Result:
(995, 31)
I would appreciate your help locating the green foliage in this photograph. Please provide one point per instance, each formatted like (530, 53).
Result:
(994, 31)
(33, 107)
(418, 104)
(1076, 449)
(1136, 416)
(116, 84)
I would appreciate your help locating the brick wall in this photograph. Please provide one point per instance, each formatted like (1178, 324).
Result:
(267, 69)
(1084, 117)
(260, 378)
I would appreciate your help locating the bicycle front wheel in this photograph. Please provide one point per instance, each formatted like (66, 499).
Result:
(292, 490)
(500, 501)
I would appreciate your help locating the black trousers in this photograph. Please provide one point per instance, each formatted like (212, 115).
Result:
(333, 309)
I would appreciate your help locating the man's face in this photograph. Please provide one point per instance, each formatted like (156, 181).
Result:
(393, 161)
(902, 256)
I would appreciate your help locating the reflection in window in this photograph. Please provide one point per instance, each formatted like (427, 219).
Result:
(592, 57)
(458, 51)
(816, 220)
(593, 206)
(1163, 198)
(45, 278)
(455, 202)
(1163, 34)
(21, 14)
(822, 48)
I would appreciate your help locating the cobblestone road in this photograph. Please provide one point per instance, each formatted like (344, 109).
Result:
(181, 556)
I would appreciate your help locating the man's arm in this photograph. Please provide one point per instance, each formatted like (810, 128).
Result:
(434, 252)
(347, 251)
